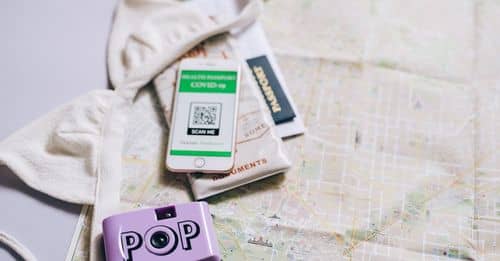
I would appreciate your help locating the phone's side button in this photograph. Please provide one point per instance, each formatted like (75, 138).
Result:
(199, 162)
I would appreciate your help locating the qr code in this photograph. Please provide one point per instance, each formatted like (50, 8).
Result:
(205, 115)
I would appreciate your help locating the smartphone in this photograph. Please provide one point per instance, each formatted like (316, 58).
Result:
(203, 126)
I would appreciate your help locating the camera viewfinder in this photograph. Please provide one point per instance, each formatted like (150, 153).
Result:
(165, 213)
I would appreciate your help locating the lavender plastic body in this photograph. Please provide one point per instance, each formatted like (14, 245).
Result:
(176, 232)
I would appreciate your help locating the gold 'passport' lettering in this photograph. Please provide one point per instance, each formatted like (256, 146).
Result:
(266, 88)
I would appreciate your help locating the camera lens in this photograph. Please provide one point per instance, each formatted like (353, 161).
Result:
(159, 239)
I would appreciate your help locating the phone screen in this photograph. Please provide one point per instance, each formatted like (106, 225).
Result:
(204, 115)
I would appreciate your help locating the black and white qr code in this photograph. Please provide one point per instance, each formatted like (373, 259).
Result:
(204, 119)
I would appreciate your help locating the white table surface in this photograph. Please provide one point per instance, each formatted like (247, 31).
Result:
(50, 53)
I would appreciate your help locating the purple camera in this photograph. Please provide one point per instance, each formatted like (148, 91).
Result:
(176, 232)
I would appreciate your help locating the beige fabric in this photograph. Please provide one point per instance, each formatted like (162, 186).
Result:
(17, 247)
(60, 153)
(74, 152)
(149, 35)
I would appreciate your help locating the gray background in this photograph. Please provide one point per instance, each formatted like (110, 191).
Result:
(50, 53)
